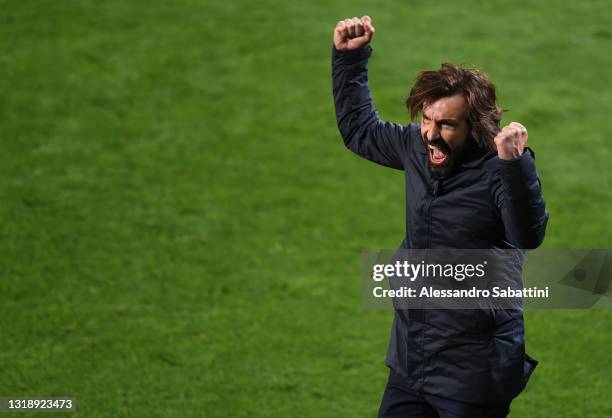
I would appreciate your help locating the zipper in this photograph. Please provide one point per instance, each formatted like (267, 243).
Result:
(434, 193)
(425, 362)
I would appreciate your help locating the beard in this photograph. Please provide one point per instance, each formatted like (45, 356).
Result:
(444, 160)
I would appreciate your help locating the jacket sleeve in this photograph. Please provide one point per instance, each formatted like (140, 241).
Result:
(520, 201)
(361, 128)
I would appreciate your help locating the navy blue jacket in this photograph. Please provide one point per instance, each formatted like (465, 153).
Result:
(475, 356)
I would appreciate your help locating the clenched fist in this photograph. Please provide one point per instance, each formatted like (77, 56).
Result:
(511, 141)
(353, 33)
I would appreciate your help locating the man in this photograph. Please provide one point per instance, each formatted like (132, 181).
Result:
(469, 185)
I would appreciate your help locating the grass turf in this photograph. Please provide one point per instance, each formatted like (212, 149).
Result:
(181, 225)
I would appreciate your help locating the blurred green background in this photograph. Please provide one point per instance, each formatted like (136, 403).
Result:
(181, 225)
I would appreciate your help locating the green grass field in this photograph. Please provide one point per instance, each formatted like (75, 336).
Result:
(181, 225)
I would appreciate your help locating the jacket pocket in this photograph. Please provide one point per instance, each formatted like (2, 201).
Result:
(508, 337)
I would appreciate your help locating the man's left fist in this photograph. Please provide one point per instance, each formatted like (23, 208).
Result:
(511, 141)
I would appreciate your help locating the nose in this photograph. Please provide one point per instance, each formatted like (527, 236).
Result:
(432, 133)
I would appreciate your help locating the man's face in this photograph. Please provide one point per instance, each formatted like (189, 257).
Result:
(446, 133)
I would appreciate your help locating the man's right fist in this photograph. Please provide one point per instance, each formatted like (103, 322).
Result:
(353, 33)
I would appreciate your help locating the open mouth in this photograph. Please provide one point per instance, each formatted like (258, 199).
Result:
(437, 155)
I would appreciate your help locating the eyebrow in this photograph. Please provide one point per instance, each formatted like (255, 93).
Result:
(449, 121)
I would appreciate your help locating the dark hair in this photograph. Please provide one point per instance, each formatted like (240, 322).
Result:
(483, 114)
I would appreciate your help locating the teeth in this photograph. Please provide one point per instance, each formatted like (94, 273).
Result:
(432, 147)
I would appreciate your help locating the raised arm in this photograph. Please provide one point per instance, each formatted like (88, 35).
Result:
(361, 128)
(519, 195)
